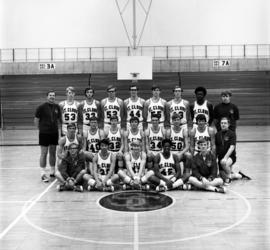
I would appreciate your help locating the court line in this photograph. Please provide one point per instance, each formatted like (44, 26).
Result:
(23, 213)
(18, 168)
(14, 201)
(136, 232)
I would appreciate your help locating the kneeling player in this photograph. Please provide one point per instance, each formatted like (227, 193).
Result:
(204, 170)
(167, 169)
(71, 170)
(103, 169)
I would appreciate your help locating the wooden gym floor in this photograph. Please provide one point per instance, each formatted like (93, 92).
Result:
(33, 215)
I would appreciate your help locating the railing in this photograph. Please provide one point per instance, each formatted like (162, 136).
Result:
(157, 52)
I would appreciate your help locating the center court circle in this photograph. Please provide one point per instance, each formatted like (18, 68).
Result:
(134, 201)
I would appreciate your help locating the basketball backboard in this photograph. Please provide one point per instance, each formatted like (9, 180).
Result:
(134, 68)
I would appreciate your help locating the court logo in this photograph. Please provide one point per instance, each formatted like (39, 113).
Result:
(134, 201)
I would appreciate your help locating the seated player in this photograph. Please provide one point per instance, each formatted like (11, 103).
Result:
(180, 144)
(202, 130)
(226, 152)
(153, 140)
(205, 170)
(103, 177)
(167, 169)
(135, 174)
(71, 170)
(66, 140)
(133, 133)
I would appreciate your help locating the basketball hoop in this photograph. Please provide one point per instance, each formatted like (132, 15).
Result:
(134, 76)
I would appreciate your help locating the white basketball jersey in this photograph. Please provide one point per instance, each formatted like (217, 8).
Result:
(156, 108)
(201, 109)
(103, 165)
(180, 109)
(166, 166)
(89, 110)
(111, 109)
(115, 140)
(134, 109)
(92, 141)
(136, 163)
(199, 135)
(155, 140)
(68, 142)
(133, 137)
(178, 140)
(70, 113)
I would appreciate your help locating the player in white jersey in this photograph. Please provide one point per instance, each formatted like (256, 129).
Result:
(133, 107)
(135, 174)
(201, 106)
(111, 106)
(179, 106)
(167, 169)
(199, 132)
(66, 140)
(153, 140)
(133, 134)
(103, 169)
(69, 109)
(116, 141)
(155, 106)
(88, 108)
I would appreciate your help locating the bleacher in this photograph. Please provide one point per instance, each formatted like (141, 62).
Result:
(21, 94)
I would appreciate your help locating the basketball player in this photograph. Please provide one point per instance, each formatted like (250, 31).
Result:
(202, 131)
(69, 110)
(135, 174)
(133, 133)
(111, 106)
(226, 152)
(71, 170)
(179, 106)
(201, 106)
(103, 169)
(71, 137)
(47, 120)
(180, 145)
(204, 170)
(226, 109)
(133, 107)
(115, 135)
(88, 108)
(153, 140)
(167, 169)
(155, 106)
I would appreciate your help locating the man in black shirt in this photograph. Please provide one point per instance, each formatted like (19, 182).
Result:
(47, 119)
(226, 109)
(226, 152)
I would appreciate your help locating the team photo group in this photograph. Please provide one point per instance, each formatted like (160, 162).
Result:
(152, 144)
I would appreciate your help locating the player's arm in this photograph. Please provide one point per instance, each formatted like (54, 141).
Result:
(188, 115)
(167, 112)
(214, 168)
(236, 112)
(106, 132)
(168, 133)
(147, 132)
(102, 115)
(112, 167)
(122, 148)
(211, 132)
(95, 173)
(80, 117)
(143, 140)
(177, 167)
(191, 107)
(101, 134)
(128, 164)
(125, 110)
(126, 140)
(36, 122)
(61, 154)
(143, 163)
(192, 141)
(85, 135)
(186, 139)
(145, 110)
(211, 112)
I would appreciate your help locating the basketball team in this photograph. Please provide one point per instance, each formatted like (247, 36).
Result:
(153, 144)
